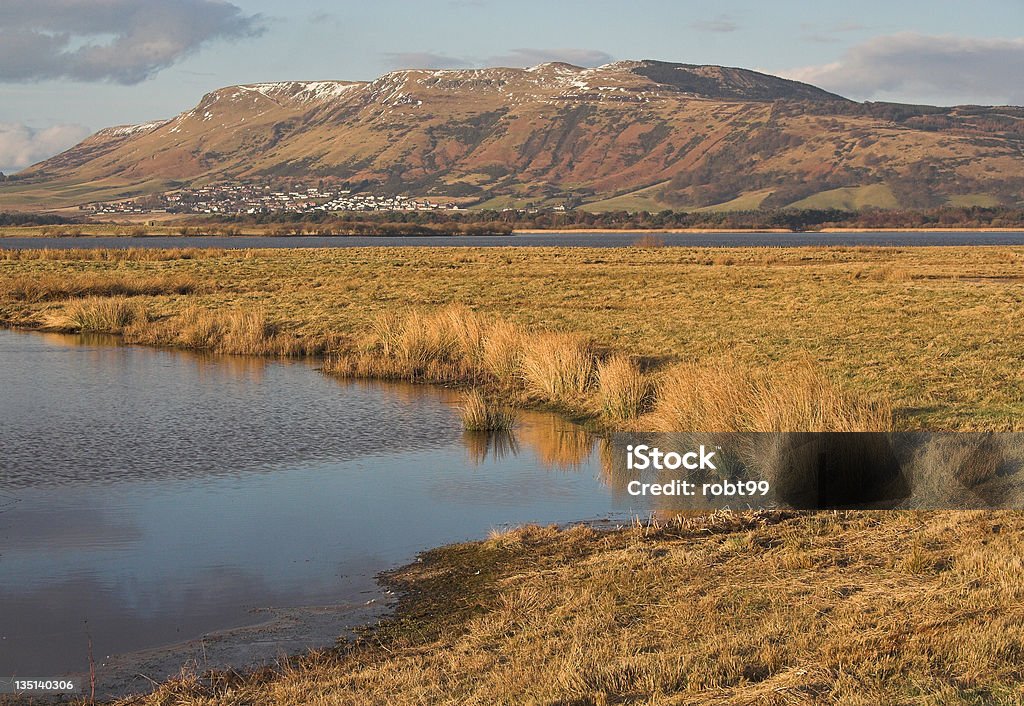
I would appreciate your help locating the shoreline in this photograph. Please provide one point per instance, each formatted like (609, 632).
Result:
(30, 233)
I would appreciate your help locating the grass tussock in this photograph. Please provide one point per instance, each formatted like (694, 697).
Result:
(458, 346)
(723, 395)
(558, 368)
(100, 315)
(624, 391)
(479, 413)
(242, 331)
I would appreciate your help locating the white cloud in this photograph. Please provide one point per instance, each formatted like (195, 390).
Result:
(22, 146)
(914, 67)
(123, 41)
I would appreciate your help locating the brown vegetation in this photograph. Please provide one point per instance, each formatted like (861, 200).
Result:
(482, 414)
(851, 608)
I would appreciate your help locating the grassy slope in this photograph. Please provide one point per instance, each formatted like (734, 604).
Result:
(936, 330)
(852, 198)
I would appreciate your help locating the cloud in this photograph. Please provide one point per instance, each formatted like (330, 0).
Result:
(532, 57)
(722, 24)
(916, 67)
(123, 41)
(423, 60)
(22, 146)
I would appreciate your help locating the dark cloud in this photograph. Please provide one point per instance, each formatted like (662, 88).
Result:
(124, 41)
(916, 67)
(22, 146)
(721, 24)
(423, 60)
(532, 57)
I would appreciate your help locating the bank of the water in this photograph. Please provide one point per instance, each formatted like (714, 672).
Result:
(155, 497)
(532, 239)
(728, 609)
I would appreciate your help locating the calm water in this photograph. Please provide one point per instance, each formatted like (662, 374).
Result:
(587, 240)
(149, 497)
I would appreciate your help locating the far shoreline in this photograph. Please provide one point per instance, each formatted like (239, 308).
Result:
(33, 232)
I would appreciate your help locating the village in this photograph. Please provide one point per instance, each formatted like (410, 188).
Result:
(255, 199)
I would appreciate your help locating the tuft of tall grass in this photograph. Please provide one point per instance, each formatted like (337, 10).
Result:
(100, 315)
(723, 395)
(502, 351)
(244, 331)
(623, 391)
(558, 367)
(481, 414)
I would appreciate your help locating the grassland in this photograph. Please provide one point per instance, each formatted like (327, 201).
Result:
(936, 333)
(860, 608)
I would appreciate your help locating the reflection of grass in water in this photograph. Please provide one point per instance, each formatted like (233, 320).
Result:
(558, 444)
(492, 445)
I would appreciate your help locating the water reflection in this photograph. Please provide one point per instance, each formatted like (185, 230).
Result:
(160, 495)
(484, 446)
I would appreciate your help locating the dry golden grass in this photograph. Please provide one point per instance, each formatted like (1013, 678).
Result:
(558, 368)
(247, 331)
(723, 395)
(624, 391)
(858, 608)
(111, 254)
(55, 285)
(941, 342)
(479, 413)
(100, 315)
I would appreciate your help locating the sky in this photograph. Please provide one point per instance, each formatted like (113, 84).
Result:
(71, 67)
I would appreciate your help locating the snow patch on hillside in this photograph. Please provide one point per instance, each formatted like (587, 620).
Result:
(302, 91)
(126, 130)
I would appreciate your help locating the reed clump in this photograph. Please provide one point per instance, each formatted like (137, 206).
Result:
(558, 368)
(452, 345)
(479, 413)
(459, 346)
(624, 391)
(100, 315)
(240, 331)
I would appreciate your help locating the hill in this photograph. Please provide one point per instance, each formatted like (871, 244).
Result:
(629, 135)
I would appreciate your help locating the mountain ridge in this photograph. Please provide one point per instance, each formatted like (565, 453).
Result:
(646, 133)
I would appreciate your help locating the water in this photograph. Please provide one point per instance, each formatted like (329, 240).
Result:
(150, 497)
(568, 239)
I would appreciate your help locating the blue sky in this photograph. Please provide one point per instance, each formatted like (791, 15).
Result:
(69, 67)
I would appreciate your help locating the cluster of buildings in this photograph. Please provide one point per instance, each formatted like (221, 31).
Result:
(253, 199)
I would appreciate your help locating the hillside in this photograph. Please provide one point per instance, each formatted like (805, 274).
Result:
(629, 135)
